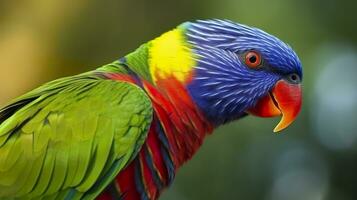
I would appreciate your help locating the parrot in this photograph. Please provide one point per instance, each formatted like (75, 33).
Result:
(122, 130)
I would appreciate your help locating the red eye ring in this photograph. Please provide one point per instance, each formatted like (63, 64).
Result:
(253, 59)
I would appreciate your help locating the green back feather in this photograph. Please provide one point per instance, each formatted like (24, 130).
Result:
(69, 138)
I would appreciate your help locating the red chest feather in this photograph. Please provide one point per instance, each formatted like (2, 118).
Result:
(177, 131)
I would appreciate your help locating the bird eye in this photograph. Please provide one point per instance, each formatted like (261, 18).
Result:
(253, 59)
(294, 78)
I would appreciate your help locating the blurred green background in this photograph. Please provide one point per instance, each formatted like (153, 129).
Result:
(314, 159)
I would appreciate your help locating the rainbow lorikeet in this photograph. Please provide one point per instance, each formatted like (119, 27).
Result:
(122, 130)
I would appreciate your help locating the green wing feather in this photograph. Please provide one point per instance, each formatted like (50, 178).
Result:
(69, 138)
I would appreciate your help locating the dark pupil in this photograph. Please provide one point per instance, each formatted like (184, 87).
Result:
(293, 77)
(253, 59)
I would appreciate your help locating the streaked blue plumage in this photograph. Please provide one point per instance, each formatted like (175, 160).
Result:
(219, 46)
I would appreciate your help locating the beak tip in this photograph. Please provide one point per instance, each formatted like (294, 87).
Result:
(284, 123)
(277, 129)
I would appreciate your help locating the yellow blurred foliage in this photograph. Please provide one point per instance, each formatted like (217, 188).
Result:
(25, 42)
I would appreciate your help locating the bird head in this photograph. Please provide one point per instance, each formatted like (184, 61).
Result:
(243, 70)
(231, 70)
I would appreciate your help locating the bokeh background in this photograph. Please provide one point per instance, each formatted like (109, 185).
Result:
(314, 159)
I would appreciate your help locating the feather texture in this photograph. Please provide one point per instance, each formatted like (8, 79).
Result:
(123, 130)
(65, 142)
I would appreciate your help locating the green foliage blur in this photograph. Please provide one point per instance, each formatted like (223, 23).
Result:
(314, 159)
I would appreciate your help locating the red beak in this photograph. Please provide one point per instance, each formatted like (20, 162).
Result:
(285, 99)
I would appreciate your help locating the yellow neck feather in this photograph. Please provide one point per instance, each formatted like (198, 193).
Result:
(170, 55)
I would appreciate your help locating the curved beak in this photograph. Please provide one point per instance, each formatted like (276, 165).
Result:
(285, 99)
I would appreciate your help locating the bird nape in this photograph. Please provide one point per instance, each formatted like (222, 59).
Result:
(123, 130)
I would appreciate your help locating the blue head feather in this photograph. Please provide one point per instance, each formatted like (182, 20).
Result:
(223, 86)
